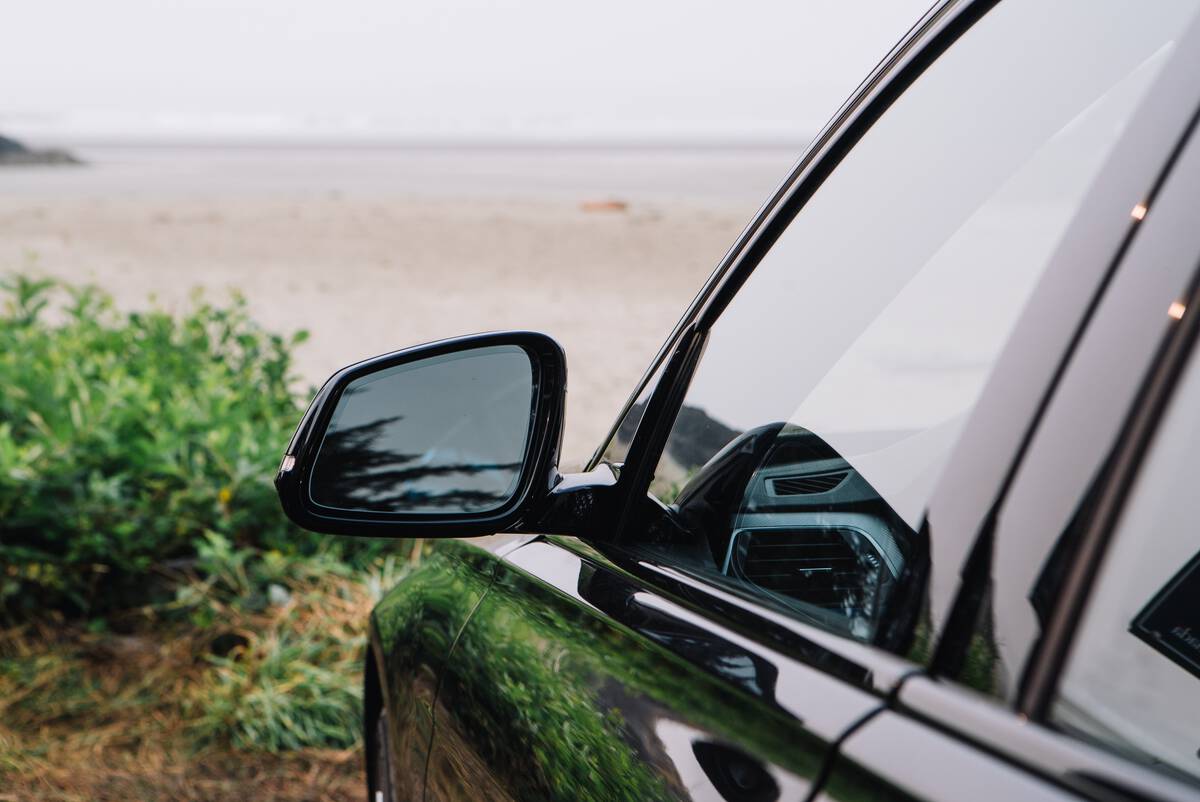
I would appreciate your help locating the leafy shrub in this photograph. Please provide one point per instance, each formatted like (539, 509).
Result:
(136, 456)
(126, 438)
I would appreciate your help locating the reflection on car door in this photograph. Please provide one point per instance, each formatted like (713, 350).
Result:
(932, 767)
(416, 623)
(577, 679)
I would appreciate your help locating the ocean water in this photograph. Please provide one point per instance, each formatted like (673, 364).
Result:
(733, 176)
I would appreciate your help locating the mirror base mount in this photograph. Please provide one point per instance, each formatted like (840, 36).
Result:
(579, 505)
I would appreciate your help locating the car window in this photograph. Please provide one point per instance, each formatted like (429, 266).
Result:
(834, 386)
(1132, 681)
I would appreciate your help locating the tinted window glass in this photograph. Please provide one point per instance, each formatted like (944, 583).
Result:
(835, 385)
(1132, 682)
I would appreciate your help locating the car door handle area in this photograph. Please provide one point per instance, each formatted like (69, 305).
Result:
(736, 776)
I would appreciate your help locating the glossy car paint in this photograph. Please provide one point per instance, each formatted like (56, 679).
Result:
(566, 668)
(412, 630)
(896, 758)
(993, 734)
(578, 678)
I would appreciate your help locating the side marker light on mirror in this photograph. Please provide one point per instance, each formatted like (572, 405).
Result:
(288, 463)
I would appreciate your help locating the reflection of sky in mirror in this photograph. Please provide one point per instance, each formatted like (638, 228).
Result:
(902, 280)
(470, 410)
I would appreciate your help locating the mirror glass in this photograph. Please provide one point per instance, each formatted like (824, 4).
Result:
(444, 435)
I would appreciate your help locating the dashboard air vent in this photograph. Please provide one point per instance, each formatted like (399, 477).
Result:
(818, 566)
(807, 485)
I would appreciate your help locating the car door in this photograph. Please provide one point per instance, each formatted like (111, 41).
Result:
(579, 678)
(765, 572)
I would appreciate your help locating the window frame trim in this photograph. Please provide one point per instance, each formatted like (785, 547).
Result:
(1096, 241)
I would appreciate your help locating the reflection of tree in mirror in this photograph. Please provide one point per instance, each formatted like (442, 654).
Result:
(353, 472)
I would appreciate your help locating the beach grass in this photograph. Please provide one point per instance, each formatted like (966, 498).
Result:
(224, 693)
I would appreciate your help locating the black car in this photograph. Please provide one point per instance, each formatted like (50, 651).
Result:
(906, 506)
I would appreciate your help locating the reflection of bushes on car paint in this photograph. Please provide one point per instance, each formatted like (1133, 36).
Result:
(541, 691)
(416, 623)
(524, 697)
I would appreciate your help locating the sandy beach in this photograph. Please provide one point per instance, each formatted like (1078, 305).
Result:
(371, 254)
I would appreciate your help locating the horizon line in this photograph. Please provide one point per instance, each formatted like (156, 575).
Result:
(436, 143)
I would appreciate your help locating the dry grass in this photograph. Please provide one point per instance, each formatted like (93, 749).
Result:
(129, 714)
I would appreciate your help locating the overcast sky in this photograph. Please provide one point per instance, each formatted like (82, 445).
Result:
(658, 69)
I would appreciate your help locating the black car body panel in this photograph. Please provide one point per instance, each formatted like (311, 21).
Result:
(930, 767)
(575, 680)
(412, 632)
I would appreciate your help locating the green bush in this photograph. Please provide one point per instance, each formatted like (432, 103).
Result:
(126, 438)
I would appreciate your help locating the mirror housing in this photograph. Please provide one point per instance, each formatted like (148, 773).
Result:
(352, 468)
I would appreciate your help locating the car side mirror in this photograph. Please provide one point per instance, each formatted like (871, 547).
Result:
(455, 438)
